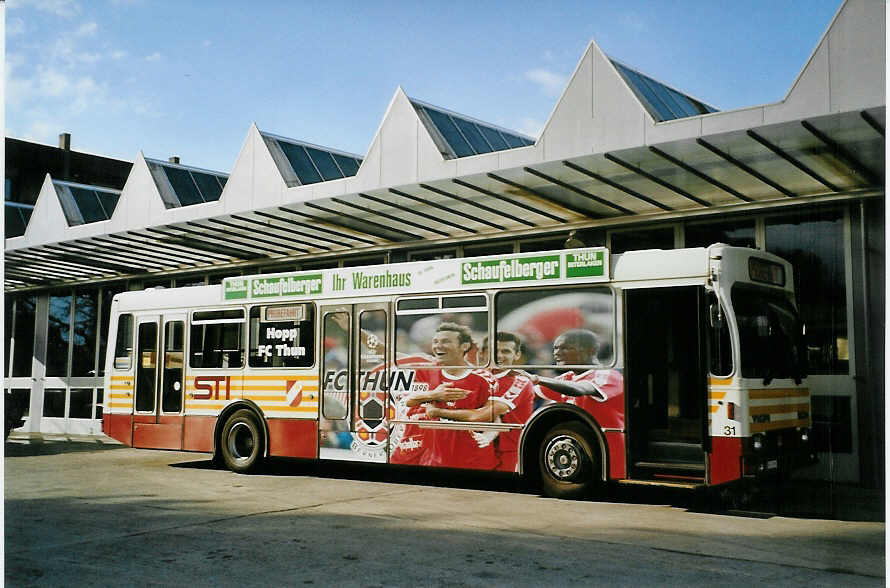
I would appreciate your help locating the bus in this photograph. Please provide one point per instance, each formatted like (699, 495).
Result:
(571, 368)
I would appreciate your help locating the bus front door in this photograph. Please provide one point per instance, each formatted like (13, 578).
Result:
(354, 382)
(666, 381)
(158, 406)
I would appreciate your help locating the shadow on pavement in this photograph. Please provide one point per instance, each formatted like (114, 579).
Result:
(29, 448)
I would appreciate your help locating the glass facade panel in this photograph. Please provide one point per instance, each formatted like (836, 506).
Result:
(542, 244)
(450, 133)
(347, 164)
(664, 97)
(23, 351)
(210, 188)
(299, 160)
(81, 403)
(22, 398)
(325, 164)
(642, 239)
(99, 397)
(738, 234)
(58, 335)
(513, 141)
(16, 220)
(494, 138)
(488, 249)
(54, 402)
(814, 244)
(88, 204)
(183, 185)
(471, 132)
(86, 315)
(636, 82)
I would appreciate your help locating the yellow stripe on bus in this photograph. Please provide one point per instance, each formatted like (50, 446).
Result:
(713, 408)
(720, 381)
(778, 393)
(761, 427)
(717, 395)
(779, 408)
(121, 378)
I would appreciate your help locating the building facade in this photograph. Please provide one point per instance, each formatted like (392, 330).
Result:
(624, 161)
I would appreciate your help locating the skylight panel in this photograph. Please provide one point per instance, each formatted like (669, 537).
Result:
(184, 186)
(208, 185)
(324, 163)
(349, 165)
(662, 101)
(88, 204)
(300, 161)
(494, 138)
(109, 201)
(450, 133)
(472, 134)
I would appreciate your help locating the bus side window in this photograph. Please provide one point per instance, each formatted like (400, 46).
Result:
(123, 346)
(216, 339)
(720, 349)
(282, 336)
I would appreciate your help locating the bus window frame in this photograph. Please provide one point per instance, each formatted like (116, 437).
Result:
(613, 291)
(487, 309)
(191, 322)
(316, 333)
(130, 357)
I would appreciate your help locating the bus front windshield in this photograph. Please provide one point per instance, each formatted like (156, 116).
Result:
(770, 335)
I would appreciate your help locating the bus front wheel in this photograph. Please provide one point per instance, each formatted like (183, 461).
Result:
(568, 463)
(242, 442)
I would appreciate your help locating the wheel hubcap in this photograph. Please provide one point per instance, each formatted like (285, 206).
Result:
(563, 455)
(241, 441)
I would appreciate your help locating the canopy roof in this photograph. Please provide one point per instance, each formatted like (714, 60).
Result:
(609, 155)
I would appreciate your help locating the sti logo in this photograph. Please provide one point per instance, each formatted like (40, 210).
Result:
(208, 387)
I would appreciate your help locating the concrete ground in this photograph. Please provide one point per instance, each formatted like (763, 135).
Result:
(93, 513)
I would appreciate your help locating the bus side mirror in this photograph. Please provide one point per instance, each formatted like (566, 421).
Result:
(715, 316)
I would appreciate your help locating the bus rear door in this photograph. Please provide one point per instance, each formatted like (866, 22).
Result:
(354, 381)
(158, 408)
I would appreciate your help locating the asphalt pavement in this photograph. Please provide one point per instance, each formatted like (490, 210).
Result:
(94, 513)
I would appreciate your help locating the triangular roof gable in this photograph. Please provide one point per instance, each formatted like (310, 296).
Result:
(47, 218)
(596, 112)
(255, 181)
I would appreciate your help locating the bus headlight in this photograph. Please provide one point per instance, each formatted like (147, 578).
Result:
(758, 442)
(804, 435)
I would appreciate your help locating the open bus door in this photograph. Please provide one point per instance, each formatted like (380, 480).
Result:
(158, 407)
(354, 379)
(666, 375)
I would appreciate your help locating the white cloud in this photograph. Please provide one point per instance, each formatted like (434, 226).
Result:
(87, 29)
(15, 26)
(65, 50)
(551, 83)
(63, 8)
(530, 126)
(156, 56)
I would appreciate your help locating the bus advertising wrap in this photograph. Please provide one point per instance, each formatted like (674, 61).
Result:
(581, 265)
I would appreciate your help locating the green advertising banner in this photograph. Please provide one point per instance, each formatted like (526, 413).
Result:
(496, 271)
(586, 264)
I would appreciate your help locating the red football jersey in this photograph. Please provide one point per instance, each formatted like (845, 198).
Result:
(457, 448)
(610, 412)
(409, 448)
(518, 393)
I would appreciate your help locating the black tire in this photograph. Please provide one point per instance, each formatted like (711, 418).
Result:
(569, 462)
(241, 443)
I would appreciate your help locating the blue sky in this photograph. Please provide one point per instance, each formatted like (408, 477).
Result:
(188, 77)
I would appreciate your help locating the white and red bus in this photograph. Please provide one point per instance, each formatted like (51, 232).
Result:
(572, 367)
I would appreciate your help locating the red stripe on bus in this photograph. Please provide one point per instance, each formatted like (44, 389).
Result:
(726, 459)
(118, 426)
(617, 455)
(197, 433)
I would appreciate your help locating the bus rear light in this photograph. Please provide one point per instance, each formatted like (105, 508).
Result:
(757, 442)
(730, 411)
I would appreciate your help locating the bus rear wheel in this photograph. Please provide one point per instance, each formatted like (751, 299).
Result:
(568, 463)
(241, 442)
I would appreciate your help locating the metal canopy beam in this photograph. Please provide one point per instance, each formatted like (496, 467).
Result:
(793, 161)
(844, 156)
(745, 168)
(447, 194)
(652, 178)
(276, 245)
(513, 201)
(361, 225)
(479, 205)
(153, 241)
(700, 174)
(872, 122)
(617, 186)
(288, 233)
(538, 194)
(297, 223)
(396, 219)
(157, 248)
(229, 238)
(396, 205)
(231, 252)
(438, 206)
